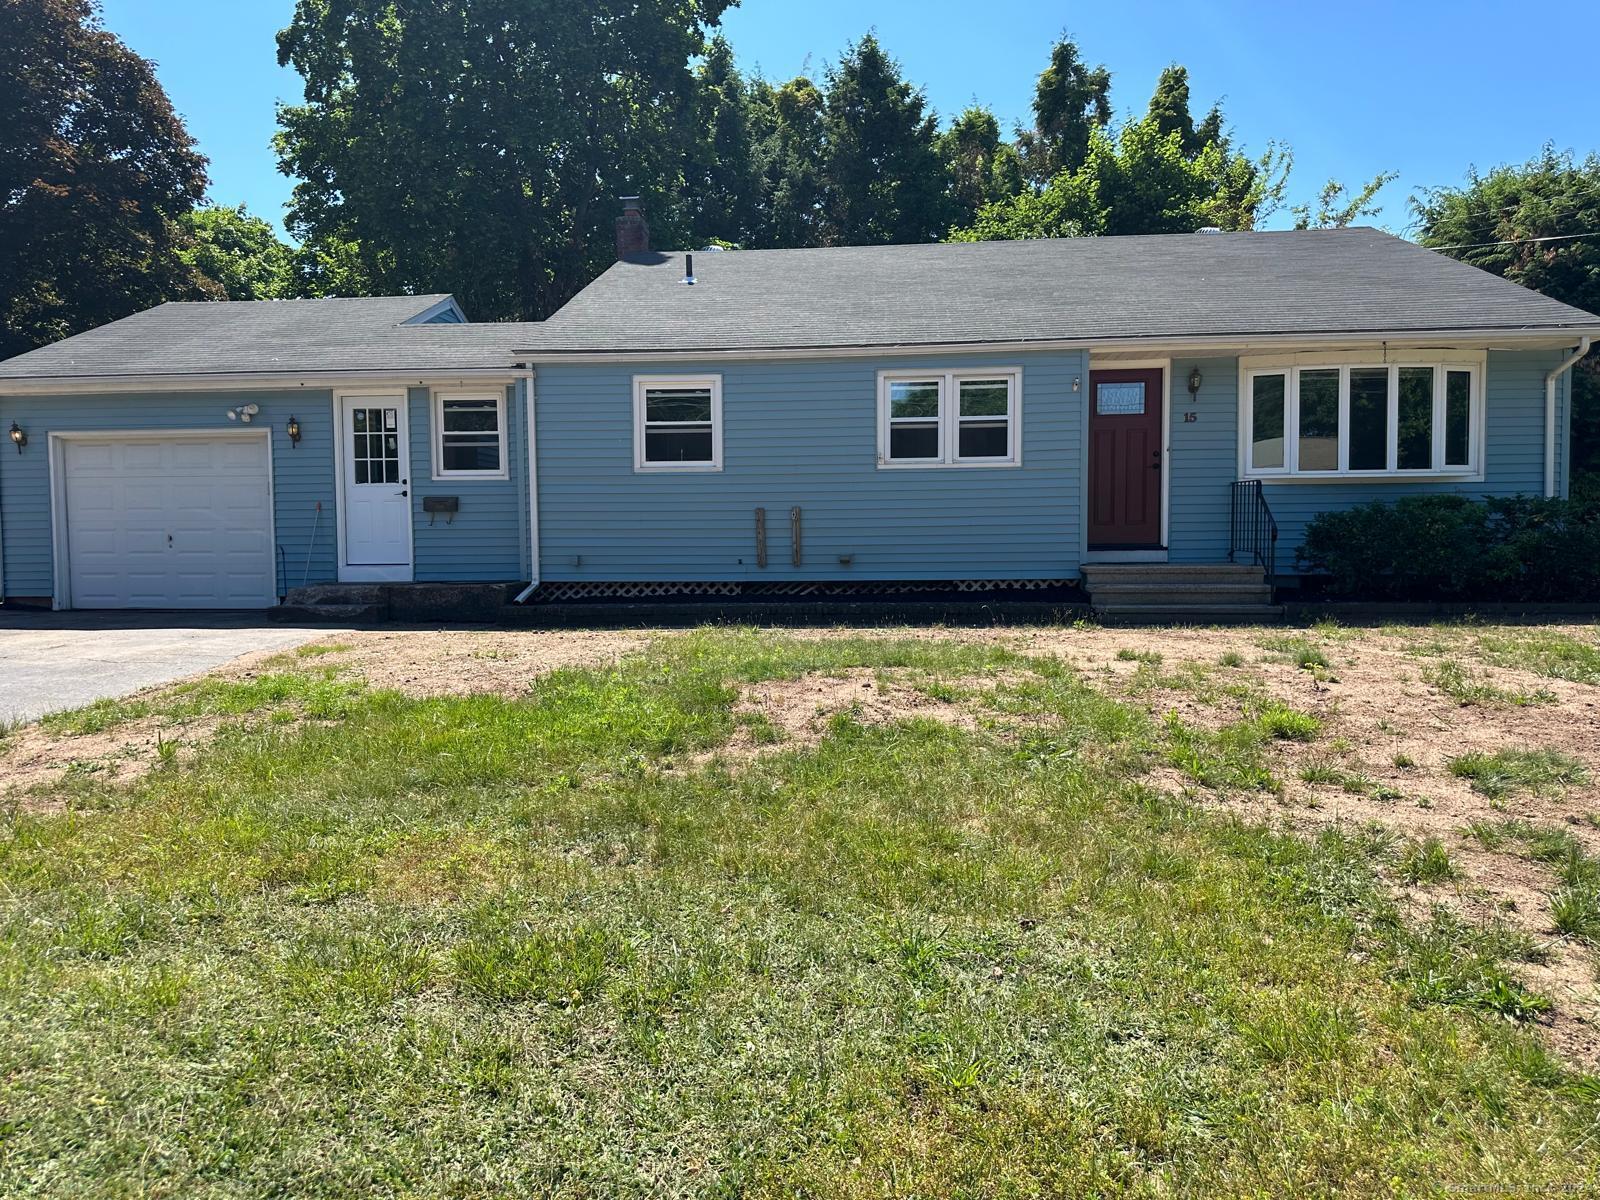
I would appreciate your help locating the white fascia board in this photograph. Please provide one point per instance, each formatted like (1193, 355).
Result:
(1153, 347)
(80, 385)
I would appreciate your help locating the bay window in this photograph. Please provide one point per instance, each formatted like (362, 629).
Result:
(1414, 418)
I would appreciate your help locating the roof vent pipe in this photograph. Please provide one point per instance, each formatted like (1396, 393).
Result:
(688, 269)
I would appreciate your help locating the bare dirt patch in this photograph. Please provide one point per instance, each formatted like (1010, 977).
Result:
(31, 757)
(788, 713)
(456, 662)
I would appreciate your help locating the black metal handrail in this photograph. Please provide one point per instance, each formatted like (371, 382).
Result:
(1254, 529)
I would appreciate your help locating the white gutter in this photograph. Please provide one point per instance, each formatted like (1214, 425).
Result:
(1550, 415)
(80, 385)
(533, 485)
(1224, 345)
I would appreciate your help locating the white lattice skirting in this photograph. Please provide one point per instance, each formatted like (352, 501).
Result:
(821, 589)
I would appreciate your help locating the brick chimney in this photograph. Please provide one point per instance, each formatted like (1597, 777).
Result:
(633, 235)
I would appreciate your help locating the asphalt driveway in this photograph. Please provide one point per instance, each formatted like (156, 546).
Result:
(51, 661)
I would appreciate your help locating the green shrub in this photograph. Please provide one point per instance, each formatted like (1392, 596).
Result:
(1515, 548)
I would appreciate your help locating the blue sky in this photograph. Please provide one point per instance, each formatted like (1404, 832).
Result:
(1426, 89)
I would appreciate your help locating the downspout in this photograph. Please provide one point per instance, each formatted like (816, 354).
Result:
(533, 483)
(1550, 416)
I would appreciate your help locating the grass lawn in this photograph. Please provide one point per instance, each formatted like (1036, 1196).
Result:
(574, 944)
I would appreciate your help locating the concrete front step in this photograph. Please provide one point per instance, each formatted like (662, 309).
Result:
(1183, 593)
(1187, 614)
(1171, 573)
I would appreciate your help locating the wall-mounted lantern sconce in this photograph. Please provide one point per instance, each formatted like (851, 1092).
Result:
(1195, 380)
(18, 438)
(293, 430)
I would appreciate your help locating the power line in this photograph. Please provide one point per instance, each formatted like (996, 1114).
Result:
(1559, 237)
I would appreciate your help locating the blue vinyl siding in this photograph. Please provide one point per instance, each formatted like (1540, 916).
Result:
(302, 476)
(487, 541)
(804, 433)
(1204, 456)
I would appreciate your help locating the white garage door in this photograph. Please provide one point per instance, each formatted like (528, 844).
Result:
(182, 522)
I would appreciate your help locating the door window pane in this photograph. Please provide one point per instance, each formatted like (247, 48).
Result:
(1319, 420)
(1457, 418)
(1266, 420)
(1119, 400)
(1415, 450)
(1369, 418)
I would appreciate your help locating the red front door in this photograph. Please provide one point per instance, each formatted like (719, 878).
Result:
(1125, 459)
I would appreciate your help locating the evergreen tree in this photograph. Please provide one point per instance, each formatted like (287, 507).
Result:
(983, 168)
(787, 135)
(720, 179)
(883, 179)
(1070, 101)
(1169, 110)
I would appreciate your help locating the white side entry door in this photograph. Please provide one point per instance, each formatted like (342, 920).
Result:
(375, 466)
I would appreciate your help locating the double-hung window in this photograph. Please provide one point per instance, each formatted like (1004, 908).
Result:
(469, 430)
(677, 423)
(1413, 418)
(949, 418)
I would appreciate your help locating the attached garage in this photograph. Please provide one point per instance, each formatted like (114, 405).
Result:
(165, 520)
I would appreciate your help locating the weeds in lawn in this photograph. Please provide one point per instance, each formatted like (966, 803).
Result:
(1231, 658)
(1426, 861)
(1286, 724)
(1300, 651)
(1545, 652)
(1140, 656)
(1453, 679)
(319, 694)
(1508, 772)
(318, 649)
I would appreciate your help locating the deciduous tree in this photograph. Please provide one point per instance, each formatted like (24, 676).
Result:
(241, 254)
(478, 146)
(1139, 181)
(96, 174)
(1535, 224)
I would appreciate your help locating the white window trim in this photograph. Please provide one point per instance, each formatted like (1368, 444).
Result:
(436, 464)
(643, 383)
(1290, 366)
(949, 419)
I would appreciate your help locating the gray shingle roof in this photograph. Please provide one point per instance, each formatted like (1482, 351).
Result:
(1190, 286)
(302, 337)
(1110, 288)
